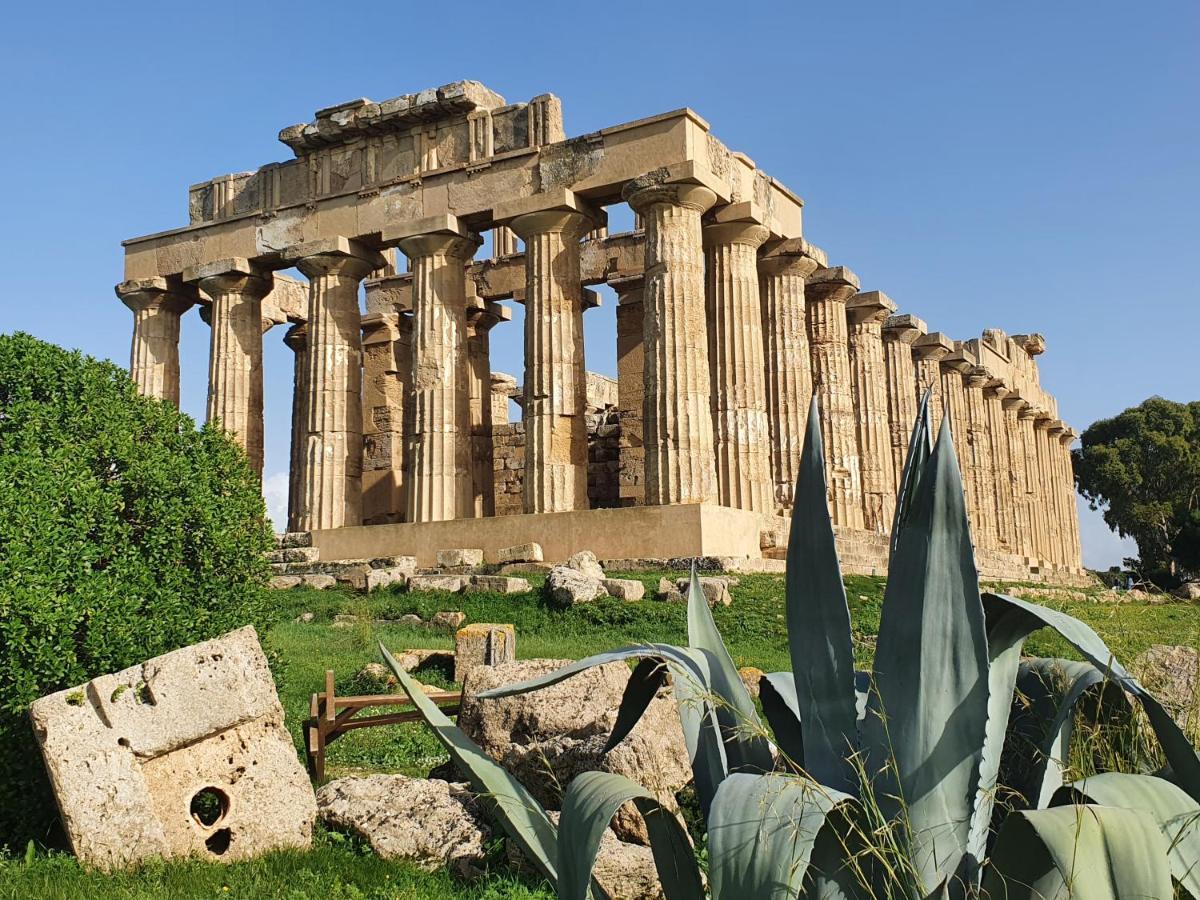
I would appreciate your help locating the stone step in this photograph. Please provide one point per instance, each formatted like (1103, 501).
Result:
(294, 555)
(293, 539)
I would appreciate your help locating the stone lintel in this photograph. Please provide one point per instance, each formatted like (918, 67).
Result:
(236, 265)
(933, 346)
(441, 224)
(1033, 344)
(960, 359)
(904, 328)
(745, 211)
(628, 288)
(554, 200)
(590, 299)
(336, 246)
(870, 306)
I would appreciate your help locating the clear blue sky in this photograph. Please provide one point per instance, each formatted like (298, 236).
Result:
(1030, 166)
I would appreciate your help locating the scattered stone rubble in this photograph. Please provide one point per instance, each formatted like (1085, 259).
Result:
(183, 755)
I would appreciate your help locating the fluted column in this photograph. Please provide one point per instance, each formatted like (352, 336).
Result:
(296, 338)
(333, 416)
(899, 334)
(1049, 497)
(677, 417)
(440, 484)
(782, 272)
(1058, 484)
(386, 339)
(983, 469)
(954, 402)
(928, 352)
(1025, 543)
(154, 352)
(1036, 511)
(827, 291)
(235, 376)
(867, 312)
(1076, 551)
(482, 317)
(741, 435)
(555, 478)
(1004, 476)
(631, 366)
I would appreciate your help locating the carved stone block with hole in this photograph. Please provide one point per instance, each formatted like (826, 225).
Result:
(185, 754)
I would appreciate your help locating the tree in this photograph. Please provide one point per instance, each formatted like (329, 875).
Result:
(1143, 468)
(125, 532)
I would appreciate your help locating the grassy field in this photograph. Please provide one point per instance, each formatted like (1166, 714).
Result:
(342, 868)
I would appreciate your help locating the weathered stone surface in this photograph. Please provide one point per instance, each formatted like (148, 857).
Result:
(293, 539)
(482, 644)
(668, 591)
(564, 728)
(433, 824)
(376, 676)
(410, 620)
(716, 590)
(129, 753)
(585, 562)
(624, 588)
(380, 578)
(528, 552)
(527, 568)
(294, 555)
(304, 618)
(452, 583)
(319, 582)
(1189, 590)
(1172, 674)
(498, 584)
(410, 660)
(460, 557)
(751, 676)
(285, 582)
(567, 586)
(448, 619)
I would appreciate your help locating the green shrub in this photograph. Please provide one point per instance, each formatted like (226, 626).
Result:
(125, 532)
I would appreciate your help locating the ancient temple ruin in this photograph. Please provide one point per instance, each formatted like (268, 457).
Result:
(727, 320)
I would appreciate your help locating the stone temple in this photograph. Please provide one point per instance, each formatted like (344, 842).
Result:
(728, 319)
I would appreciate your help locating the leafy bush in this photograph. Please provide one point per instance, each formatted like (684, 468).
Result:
(125, 532)
(887, 783)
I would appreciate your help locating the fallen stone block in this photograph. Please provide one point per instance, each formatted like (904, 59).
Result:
(529, 552)
(481, 644)
(294, 555)
(716, 590)
(624, 588)
(527, 568)
(460, 557)
(410, 620)
(751, 677)
(452, 583)
(407, 564)
(433, 824)
(319, 582)
(381, 578)
(498, 584)
(285, 582)
(1189, 590)
(293, 539)
(668, 591)
(183, 755)
(448, 619)
(585, 561)
(411, 660)
(567, 586)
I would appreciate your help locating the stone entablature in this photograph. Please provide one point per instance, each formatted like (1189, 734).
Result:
(728, 320)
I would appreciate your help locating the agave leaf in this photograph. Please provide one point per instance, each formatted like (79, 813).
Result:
(930, 698)
(818, 623)
(644, 682)
(1177, 814)
(589, 805)
(761, 834)
(746, 748)
(522, 816)
(919, 447)
(1093, 852)
(1181, 756)
(777, 694)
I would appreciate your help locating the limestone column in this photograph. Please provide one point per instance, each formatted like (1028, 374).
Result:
(677, 417)
(867, 312)
(631, 366)
(954, 402)
(386, 386)
(296, 339)
(899, 334)
(1058, 484)
(555, 477)
(983, 469)
(333, 414)
(928, 352)
(741, 435)
(1026, 417)
(782, 272)
(154, 353)
(1076, 551)
(1004, 475)
(1025, 540)
(827, 291)
(235, 377)
(1049, 497)
(482, 317)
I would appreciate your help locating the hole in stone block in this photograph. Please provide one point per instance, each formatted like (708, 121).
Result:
(219, 842)
(209, 806)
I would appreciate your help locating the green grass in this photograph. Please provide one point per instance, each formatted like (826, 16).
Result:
(753, 627)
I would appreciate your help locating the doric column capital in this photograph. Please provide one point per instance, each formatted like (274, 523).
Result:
(433, 236)
(1057, 427)
(558, 210)
(997, 389)
(234, 275)
(978, 378)
(643, 193)
(959, 359)
(486, 314)
(749, 234)
(1067, 436)
(296, 337)
(335, 256)
(629, 288)
(1042, 420)
(156, 293)
(1027, 410)
(869, 308)
(836, 283)
(794, 256)
(934, 346)
(904, 329)
(380, 328)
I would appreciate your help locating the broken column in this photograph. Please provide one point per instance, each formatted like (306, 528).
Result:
(482, 644)
(899, 333)
(154, 351)
(782, 272)
(827, 291)
(867, 312)
(678, 434)
(631, 365)
(741, 435)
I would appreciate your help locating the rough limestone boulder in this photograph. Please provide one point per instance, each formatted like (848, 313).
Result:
(547, 737)
(585, 561)
(566, 586)
(624, 588)
(716, 590)
(1172, 674)
(434, 824)
(1189, 590)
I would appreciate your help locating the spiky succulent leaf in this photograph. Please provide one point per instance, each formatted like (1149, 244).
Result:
(1093, 852)
(647, 677)
(777, 694)
(925, 727)
(818, 623)
(1177, 814)
(761, 834)
(746, 748)
(591, 801)
(522, 816)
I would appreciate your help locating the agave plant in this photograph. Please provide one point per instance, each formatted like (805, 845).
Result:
(876, 784)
